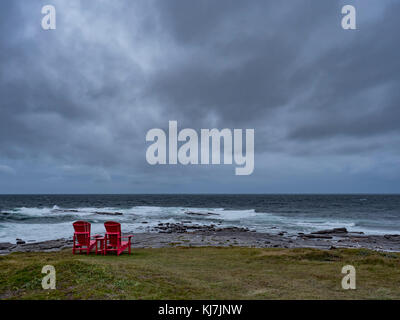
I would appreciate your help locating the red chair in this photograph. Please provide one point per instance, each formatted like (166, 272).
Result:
(82, 237)
(113, 238)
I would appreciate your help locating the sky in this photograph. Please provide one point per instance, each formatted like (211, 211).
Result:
(76, 102)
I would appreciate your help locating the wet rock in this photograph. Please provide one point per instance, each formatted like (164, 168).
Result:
(317, 236)
(350, 234)
(65, 210)
(201, 213)
(20, 241)
(232, 229)
(182, 228)
(6, 245)
(195, 213)
(329, 231)
(392, 236)
(109, 213)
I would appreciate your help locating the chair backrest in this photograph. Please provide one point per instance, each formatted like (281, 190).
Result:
(113, 233)
(82, 232)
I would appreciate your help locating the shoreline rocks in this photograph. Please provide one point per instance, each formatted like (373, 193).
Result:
(330, 231)
(194, 235)
(20, 241)
(316, 236)
(6, 246)
(185, 228)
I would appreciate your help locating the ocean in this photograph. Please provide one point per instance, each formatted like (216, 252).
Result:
(45, 217)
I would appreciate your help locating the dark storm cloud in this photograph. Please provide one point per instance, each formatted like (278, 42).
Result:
(358, 88)
(60, 93)
(77, 102)
(241, 60)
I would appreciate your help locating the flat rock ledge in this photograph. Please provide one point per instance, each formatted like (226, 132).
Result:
(43, 246)
(173, 235)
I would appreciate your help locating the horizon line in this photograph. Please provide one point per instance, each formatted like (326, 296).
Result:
(147, 194)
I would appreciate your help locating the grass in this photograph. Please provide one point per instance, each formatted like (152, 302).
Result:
(203, 273)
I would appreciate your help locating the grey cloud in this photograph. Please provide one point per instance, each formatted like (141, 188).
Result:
(6, 169)
(357, 90)
(76, 102)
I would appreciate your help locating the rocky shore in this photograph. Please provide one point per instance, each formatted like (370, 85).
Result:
(191, 235)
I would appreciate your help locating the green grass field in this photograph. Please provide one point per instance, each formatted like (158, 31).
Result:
(203, 273)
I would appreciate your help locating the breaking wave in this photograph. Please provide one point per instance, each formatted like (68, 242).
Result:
(37, 224)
